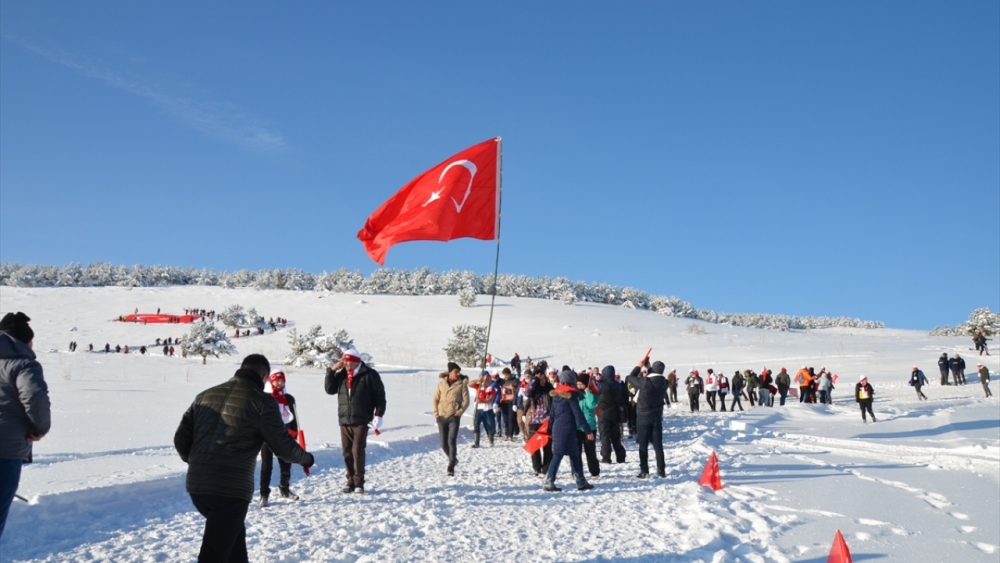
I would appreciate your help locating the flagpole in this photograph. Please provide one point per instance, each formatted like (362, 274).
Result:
(493, 299)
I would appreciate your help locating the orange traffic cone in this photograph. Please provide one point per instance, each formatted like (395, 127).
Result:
(710, 477)
(839, 552)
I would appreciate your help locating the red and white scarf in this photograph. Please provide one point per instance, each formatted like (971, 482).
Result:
(279, 395)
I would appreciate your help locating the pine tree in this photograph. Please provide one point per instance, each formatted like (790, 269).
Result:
(467, 297)
(205, 339)
(468, 346)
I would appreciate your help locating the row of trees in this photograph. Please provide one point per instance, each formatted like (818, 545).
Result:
(980, 319)
(404, 282)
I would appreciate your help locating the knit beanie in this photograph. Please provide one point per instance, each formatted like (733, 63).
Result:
(583, 378)
(452, 366)
(16, 325)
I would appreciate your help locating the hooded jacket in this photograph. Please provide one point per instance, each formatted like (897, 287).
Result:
(221, 433)
(613, 401)
(565, 416)
(24, 399)
(652, 391)
(451, 399)
(363, 402)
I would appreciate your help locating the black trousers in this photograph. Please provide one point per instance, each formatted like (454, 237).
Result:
(448, 430)
(866, 405)
(541, 459)
(267, 467)
(225, 537)
(611, 438)
(650, 431)
(589, 448)
(507, 421)
(353, 440)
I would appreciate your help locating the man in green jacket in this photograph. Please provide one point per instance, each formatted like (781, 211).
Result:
(219, 438)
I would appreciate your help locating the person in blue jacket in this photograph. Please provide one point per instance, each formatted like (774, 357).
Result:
(918, 380)
(565, 417)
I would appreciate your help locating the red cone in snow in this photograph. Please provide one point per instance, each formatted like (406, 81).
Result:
(710, 477)
(839, 552)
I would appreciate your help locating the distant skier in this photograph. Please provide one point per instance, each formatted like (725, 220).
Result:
(917, 380)
(864, 394)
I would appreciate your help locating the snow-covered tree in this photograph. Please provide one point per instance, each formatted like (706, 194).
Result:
(317, 349)
(467, 297)
(206, 339)
(468, 346)
(234, 316)
(980, 319)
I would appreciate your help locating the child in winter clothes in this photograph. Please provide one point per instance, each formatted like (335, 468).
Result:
(565, 417)
(487, 405)
(286, 405)
(723, 382)
(588, 404)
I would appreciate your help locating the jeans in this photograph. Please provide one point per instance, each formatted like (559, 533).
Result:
(448, 430)
(650, 430)
(765, 397)
(225, 537)
(736, 401)
(10, 476)
(488, 419)
(782, 392)
(507, 421)
(575, 464)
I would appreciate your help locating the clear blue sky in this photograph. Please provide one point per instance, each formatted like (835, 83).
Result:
(804, 158)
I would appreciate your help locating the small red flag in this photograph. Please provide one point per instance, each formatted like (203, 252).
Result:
(302, 444)
(458, 198)
(538, 439)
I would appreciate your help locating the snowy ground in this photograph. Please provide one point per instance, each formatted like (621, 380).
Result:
(923, 484)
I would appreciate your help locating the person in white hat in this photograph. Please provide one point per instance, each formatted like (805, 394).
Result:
(360, 403)
(864, 394)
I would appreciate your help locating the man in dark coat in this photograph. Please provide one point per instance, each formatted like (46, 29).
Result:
(943, 368)
(610, 415)
(953, 364)
(649, 415)
(565, 417)
(360, 401)
(25, 411)
(961, 370)
(219, 438)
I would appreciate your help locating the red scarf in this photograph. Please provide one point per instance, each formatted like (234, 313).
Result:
(562, 387)
(350, 379)
(279, 395)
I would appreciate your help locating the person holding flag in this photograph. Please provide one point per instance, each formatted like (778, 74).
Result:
(360, 403)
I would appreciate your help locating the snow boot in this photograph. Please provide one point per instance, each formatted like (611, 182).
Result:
(284, 492)
(263, 501)
(642, 475)
(550, 488)
(586, 487)
(451, 470)
(475, 435)
(490, 436)
(347, 489)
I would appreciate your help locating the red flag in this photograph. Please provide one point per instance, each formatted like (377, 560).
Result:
(539, 438)
(458, 198)
(302, 444)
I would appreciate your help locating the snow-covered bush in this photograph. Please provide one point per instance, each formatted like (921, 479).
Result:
(317, 349)
(467, 297)
(980, 319)
(205, 339)
(468, 345)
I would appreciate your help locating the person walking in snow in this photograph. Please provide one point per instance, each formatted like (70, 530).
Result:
(515, 364)
(611, 414)
(953, 364)
(723, 382)
(588, 405)
(782, 381)
(450, 401)
(918, 380)
(672, 386)
(25, 410)
(738, 383)
(694, 387)
(943, 368)
(286, 406)
(711, 388)
(826, 388)
(565, 417)
(961, 370)
(487, 404)
(864, 394)
(753, 383)
(508, 394)
(649, 415)
(764, 388)
(219, 438)
(984, 378)
(360, 403)
(804, 380)
(538, 405)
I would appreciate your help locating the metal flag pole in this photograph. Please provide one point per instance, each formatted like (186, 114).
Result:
(493, 298)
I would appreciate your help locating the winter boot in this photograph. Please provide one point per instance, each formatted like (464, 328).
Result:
(451, 470)
(263, 501)
(284, 492)
(490, 436)
(551, 488)
(475, 436)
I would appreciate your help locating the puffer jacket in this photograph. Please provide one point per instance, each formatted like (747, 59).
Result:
(450, 399)
(221, 434)
(364, 401)
(24, 399)
(565, 417)
(613, 402)
(652, 393)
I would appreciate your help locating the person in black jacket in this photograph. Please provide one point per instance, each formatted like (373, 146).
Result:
(611, 412)
(864, 394)
(943, 368)
(361, 400)
(953, 364)
(219, 438)
(652, 391)
(960, 377)
(286, 406)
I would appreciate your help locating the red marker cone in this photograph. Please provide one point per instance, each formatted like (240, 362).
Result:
(710, 476)
(839, 552)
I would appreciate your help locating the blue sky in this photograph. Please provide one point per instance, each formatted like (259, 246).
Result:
(803, 158)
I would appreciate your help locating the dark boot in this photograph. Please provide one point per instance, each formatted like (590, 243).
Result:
(490, 436)
(475, 435)
(263, 501)
(284, 492)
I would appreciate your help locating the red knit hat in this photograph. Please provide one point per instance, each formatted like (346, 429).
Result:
(351, 355)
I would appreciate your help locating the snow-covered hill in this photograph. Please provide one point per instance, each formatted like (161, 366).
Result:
(922, 484)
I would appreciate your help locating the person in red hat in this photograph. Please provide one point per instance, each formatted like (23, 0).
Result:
(286, 406)
(360, 403)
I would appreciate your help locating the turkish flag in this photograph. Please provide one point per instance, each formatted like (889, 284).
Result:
(538, 439)
(455, 199)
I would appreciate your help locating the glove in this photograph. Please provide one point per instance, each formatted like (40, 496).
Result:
(377, 422)
(312, 461)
